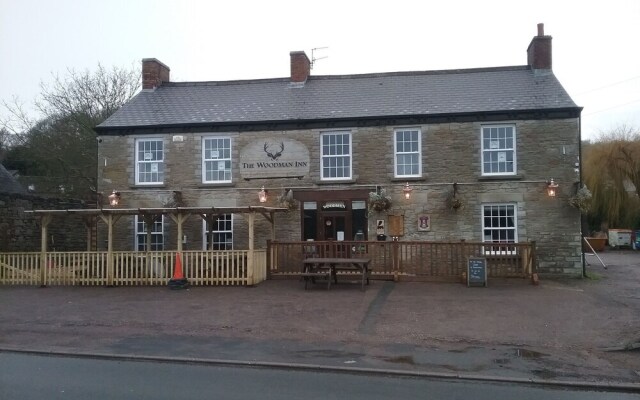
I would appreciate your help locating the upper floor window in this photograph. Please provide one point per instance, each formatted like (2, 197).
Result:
(221, 235)
(157, 234)
(408, 150)
(499, 225)
(499, 150)
(216, 159)
(149, 161)
(336, 155)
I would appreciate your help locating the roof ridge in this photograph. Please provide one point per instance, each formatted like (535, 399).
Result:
(351, 76)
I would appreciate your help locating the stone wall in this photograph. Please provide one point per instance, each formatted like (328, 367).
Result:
(450, 153)
(20, 231)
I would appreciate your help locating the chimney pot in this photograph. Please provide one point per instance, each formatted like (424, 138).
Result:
(154, 72)
(539, 50)
(300, 66)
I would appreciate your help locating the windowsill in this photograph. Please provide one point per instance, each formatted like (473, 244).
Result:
(216, 185)
(409, 179)
(500, 178)
(150, 186)
(336, 182)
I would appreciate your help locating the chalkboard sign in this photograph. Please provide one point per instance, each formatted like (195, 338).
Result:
(477, 271)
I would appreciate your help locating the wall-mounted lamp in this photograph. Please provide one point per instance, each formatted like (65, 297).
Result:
(262, 195)
(114, 199)
(407, 191)
(552, 188)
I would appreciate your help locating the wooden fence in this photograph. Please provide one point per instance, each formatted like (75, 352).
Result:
(420, 261)
(230, 267)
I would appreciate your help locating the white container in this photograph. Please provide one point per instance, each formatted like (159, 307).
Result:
(619, 237)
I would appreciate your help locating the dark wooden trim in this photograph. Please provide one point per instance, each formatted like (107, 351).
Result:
(324, 195)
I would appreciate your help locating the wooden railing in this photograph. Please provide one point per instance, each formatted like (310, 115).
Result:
(128, 268)
(389, 260)
(445, 261)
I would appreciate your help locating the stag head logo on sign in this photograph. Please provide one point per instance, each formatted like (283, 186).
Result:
(270, 153)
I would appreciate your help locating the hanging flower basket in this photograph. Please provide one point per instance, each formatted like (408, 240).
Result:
(287, 201)
(455, 203)
(379, 201)
(582, 199)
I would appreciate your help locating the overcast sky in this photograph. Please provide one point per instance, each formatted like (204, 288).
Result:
(596, 46)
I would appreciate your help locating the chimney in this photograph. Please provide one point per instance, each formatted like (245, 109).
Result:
(153, 73)
(539, 50)
(300, 67)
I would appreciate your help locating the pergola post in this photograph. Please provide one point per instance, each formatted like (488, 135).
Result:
(44, 224)
(110, 220)
(179, 219)
(148, 222)
(250, 254)
(89, 223)
(273, 225)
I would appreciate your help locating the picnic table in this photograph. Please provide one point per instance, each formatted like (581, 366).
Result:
(321, 267)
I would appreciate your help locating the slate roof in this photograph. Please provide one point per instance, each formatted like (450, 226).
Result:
(344, 96)
(9, 184)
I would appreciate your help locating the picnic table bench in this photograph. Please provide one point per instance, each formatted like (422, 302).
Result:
(321, 267)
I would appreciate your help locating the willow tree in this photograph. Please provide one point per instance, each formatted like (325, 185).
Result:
(612, 173)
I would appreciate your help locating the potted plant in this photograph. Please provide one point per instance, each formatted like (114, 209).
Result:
(379, 201)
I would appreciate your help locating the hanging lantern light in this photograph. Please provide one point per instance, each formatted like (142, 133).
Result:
(114, 199)
(552, 188)
(407, 191)
(262, 195)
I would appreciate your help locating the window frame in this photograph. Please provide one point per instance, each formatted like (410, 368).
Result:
(349, 134)
(138, 234)
(205, 233)
(139, 162)
(205, 159)
(500, 248)
(513, 150)
(396, 153)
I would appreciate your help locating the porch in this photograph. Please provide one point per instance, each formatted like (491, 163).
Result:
(149, 267)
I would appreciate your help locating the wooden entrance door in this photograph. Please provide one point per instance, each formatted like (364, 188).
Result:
(335, 225)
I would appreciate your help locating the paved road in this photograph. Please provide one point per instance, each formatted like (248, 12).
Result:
(26, 377)
(574, 330)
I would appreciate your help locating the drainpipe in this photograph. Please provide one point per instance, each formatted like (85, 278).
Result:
(582, 217)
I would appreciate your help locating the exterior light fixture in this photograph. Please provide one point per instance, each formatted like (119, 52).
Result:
(552, 188)
(114, 199)
(262, 195)
(407, 191)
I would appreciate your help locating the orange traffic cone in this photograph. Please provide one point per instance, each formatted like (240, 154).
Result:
(178, 281)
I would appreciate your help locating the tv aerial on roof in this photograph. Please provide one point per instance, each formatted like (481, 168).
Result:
(313, 56)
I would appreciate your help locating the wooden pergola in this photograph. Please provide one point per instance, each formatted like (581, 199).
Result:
(178, 214)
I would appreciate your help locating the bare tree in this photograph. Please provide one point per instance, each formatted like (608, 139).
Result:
(60, 144)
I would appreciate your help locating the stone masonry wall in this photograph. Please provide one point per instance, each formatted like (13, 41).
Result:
(20, 231)
(450, 153)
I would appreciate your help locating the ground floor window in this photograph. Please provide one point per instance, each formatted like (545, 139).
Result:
(157, 234)
(220, 237)
(499, 225)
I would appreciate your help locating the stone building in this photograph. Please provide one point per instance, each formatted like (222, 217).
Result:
(474, 150)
